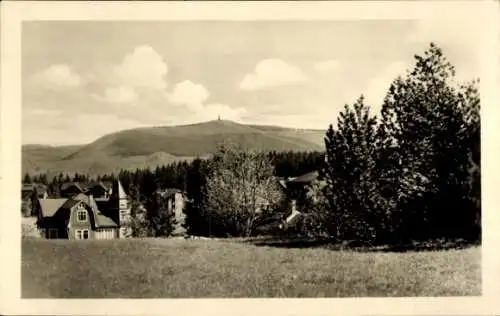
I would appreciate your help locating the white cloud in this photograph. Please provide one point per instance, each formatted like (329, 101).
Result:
(144, 67)
(189, 94)
(272, 73)
(193, 96)
(119, 95)
(377, 88)
(326, 66)
(57, 77)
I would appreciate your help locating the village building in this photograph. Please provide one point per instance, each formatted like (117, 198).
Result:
(175, 200)
(30, 194)
(80, 215)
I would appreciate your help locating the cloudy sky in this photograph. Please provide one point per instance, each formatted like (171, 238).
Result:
(82, 80)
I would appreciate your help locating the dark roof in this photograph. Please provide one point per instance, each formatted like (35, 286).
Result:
(99, 184)
(67, 185)
(49, 207)
(107, 184)
(70, 203)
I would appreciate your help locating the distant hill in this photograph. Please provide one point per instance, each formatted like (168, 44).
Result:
(153, 146)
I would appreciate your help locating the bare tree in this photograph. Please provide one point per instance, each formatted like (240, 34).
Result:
(240, 188)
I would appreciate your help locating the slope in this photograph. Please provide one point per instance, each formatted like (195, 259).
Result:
(149, 147)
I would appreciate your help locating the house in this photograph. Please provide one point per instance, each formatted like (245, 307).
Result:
(72, 188)
(100, 190)
(38, 189)
(30, 193)
(81, 216)
(175, 200)
(295, 188)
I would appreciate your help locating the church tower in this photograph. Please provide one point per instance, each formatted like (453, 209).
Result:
(121, 203)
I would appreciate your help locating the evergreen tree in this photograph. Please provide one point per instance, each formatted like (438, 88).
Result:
(140, 227)
(432, 125)
(161, 217)
(351, 175)
(27, 179)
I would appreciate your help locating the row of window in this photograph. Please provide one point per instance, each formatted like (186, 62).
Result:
(82, 234)
(103, 233)
(81, 214)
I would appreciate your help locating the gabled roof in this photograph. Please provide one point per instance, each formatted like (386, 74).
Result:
(70, 203)
(102, 220)
(81, 197)
(117, 190)
(49, 207)
(98, 184)
(121, 191)
(67, 185)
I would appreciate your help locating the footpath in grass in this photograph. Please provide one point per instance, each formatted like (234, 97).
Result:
(172, 268)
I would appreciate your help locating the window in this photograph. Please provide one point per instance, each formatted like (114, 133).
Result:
(105, 233)
(82, 234)
(124, 232)
(81, 215)
(124, 215)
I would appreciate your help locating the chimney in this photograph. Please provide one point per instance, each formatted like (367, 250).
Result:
(92, 201)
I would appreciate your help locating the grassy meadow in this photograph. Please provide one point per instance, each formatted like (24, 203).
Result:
(174, 268)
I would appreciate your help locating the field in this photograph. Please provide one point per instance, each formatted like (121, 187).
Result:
(172, 268)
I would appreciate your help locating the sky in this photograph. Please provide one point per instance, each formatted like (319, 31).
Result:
(84, 79)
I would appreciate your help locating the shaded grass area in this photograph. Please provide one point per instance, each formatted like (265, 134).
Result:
(294, 242)
(172, 268)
